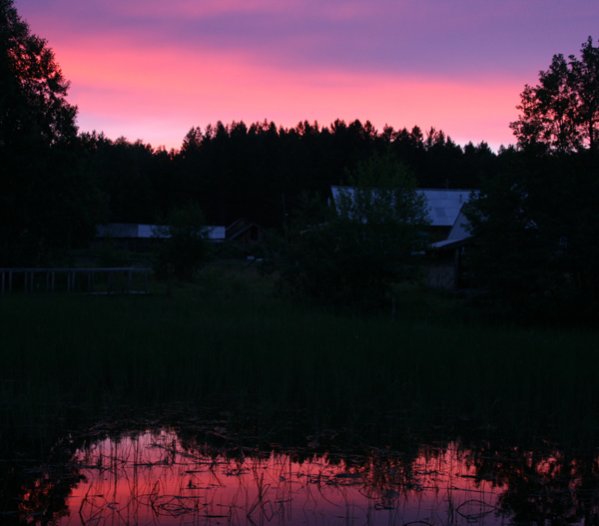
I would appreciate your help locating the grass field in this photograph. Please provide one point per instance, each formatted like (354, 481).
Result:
(228, 342)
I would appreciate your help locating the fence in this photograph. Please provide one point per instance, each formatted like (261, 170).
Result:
(118, 280)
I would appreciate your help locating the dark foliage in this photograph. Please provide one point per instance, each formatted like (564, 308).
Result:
(561, 113)
(536, 228)
(259, 172)
(33, 90)
(536, 225)
(46, 202)
(56, 185)
(186, 246)
(352, 254)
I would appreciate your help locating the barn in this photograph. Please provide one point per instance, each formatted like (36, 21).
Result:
(448, 231)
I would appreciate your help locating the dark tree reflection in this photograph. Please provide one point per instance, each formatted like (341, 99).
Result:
(157, 475)
(543, 486)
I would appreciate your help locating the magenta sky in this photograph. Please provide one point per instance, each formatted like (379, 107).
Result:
(151, 69)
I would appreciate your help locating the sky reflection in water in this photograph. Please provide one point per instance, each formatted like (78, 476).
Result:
(154, 479)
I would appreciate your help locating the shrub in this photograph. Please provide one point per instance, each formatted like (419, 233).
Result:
(354, 252)
(185, 247)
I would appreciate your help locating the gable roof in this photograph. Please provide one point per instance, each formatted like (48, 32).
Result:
(459, 233)
(444, 206)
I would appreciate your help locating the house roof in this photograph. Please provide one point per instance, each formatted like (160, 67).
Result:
(460, 232)
(443, 206)
(460, 229)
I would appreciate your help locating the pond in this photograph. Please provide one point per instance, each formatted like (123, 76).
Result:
(165, 477)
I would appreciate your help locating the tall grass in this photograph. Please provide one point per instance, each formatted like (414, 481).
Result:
(227, 342)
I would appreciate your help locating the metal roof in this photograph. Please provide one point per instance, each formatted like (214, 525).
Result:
(460, 231)
(443, 206)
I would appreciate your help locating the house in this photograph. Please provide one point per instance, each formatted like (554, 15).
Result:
(448, 230)
(139, 236)
(443, 206)
(446, 257)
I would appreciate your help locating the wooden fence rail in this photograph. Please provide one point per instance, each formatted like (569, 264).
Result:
(115, 280)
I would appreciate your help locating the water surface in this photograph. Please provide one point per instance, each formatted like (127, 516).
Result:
(156, 477)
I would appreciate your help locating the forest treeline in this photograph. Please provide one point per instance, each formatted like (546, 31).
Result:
(260, 171)
(534, 220)
(57, 184)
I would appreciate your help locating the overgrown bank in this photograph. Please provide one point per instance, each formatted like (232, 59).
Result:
(228, 343)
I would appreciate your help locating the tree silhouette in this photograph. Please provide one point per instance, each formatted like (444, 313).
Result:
(33, 105)
(46, 201)
(356, 253)
(561, 113)
(534, 227)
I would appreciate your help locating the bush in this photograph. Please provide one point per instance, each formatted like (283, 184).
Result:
(185, 247)
(354, 252)
(535, 229)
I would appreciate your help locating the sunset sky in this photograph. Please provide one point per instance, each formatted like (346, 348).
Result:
(151, 69)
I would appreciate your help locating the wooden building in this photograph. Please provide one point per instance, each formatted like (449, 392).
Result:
(448, 231)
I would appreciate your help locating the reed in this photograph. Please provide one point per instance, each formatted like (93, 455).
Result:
(228, 342)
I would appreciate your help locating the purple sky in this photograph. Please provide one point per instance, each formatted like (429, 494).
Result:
(151, 69)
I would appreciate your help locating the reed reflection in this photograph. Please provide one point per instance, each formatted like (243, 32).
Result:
(152, 478)
(160, 478)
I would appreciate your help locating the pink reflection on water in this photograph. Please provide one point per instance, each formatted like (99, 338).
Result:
(152, 479)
